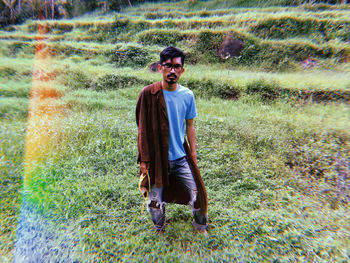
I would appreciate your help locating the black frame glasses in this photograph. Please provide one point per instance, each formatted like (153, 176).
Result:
(169, 66)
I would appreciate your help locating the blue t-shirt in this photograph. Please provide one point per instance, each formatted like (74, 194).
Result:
(181, 106)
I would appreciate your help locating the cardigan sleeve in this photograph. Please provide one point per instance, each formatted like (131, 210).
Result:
(141, 121)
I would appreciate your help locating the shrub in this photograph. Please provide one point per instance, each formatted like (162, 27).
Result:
(161, 37)
(204, 13)
(107, 82)
(289, 26)
(103, 32)
(61, 27)
(209, 88)
(121, 21)
(138, 26)
(282, 54)
(208, 44)
(16, 47)
(323, 95)
(11, 106)
(159, 15)
(32, 28)
(113, 81)
(130, 56)
(251, 50)
(74, 78)
(209, 40)
(323, 7)
(210, 24)
(266, 90)
(191, 56)
(283, 27)
(6, 71)
(154, 15)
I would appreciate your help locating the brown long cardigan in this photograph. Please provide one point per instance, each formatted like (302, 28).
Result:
(153, 148)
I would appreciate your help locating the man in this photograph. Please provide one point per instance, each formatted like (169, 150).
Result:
(168, 165)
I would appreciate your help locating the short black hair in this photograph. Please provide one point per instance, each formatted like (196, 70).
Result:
(172, 52)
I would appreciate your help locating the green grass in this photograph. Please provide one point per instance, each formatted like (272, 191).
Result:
(87, 185)
(13, 106)
(17, 89)
(12, 153)
(273, 145)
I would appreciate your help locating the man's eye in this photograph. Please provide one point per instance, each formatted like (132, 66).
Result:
(177, 66)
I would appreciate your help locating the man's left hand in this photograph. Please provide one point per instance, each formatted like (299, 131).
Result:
(194, 157)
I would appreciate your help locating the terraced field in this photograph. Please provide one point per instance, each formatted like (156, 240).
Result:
(272, 134)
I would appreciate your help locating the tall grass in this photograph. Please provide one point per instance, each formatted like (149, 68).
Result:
(87, 186)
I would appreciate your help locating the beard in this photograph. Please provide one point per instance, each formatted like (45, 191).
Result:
(171, 80)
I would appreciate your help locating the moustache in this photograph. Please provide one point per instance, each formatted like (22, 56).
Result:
(172, 75)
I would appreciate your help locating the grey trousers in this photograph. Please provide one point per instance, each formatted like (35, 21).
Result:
(180, 170)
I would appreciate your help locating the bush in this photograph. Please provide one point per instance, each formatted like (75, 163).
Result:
(74, 78)
(11, 106)
(210, 24)
(138, 26)
(284, 27)
(17, 46)
(6, 71)
(323, 95)
(204, 13)
(159, 15)
(130, 56)
(61, 27)
(288, 26)
(266, 90)
(161, 37)
(283, 55)
(191, 56)
(324, 6)
(209, 88)
(113, 81)
(66, 50)
(209, 40)
(107, 82)
(208, 44)
(103, 32)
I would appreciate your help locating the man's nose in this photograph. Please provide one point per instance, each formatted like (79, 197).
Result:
(172, 69)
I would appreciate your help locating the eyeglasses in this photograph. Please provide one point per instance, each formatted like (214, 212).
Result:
(169, 67)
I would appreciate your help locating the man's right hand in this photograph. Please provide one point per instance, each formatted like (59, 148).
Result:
(143, 167)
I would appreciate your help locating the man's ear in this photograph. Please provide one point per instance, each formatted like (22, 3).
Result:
(159, 67)
(183, 70)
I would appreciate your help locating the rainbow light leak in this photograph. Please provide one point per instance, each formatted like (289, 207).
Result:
(45, 108)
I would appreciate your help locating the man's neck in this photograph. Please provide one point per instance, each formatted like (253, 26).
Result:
(169, 87)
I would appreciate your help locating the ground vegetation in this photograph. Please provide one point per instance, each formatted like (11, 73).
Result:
(272, 133)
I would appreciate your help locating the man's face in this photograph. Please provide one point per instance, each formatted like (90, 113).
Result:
(171, 70)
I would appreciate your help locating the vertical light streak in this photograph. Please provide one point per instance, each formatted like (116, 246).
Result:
(45, 109)
(45, 106)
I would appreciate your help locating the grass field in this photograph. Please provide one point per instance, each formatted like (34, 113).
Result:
(272, 137)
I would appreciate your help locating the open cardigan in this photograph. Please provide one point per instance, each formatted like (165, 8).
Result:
(153, 148)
